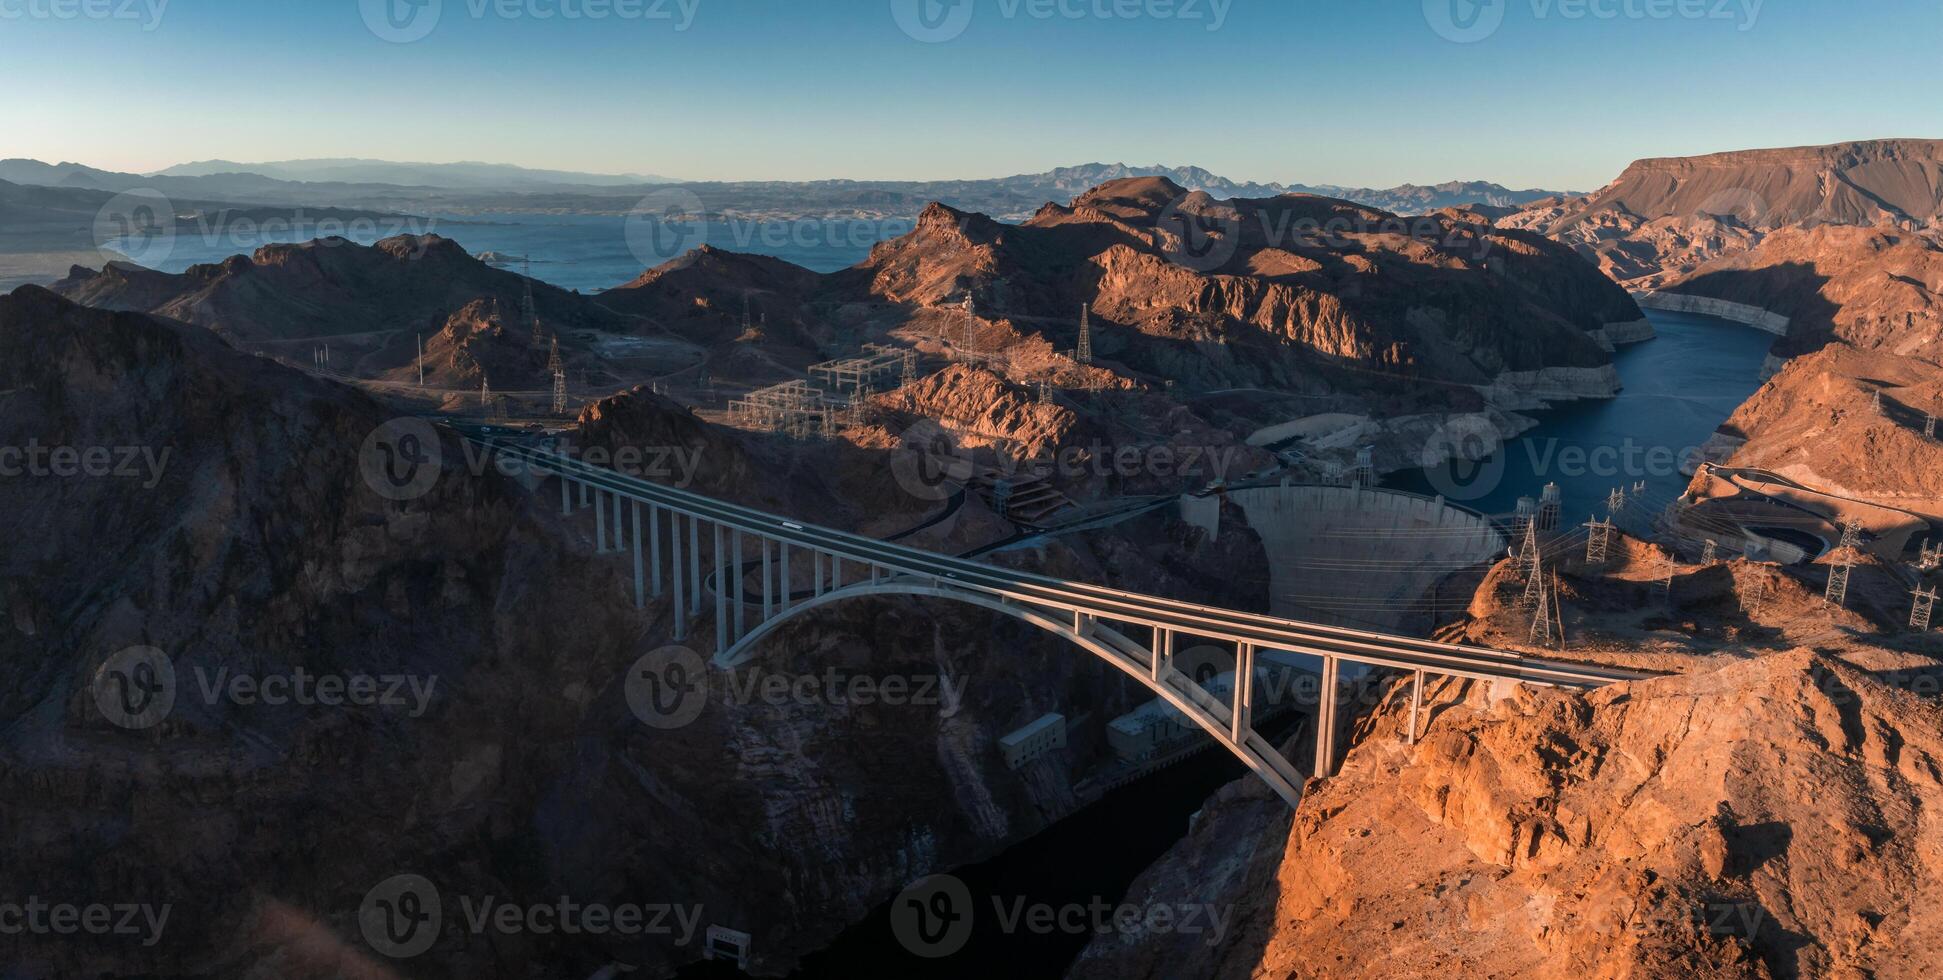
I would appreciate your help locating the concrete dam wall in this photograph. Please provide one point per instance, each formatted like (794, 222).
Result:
(1355, 557)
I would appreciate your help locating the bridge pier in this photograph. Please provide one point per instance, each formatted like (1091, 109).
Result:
(1243, 717)
(1162, 658)
(1326, 720)
(783, 588)
(654, 550)
(1416, 703)
(617, 521)
(584, 490)
(694, 565)
(816, 562)
(736, 564)
(721, 596)
(640, 600)
(566, 496)
(600, 525)
(674, 544)
(767, 590)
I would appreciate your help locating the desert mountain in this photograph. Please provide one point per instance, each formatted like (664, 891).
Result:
(1210, 293)
(371, 305)
(1665, 217)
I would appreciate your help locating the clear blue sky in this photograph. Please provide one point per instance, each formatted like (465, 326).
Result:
(1315, 91)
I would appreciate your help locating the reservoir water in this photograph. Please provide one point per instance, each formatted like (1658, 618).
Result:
(588, 252)
(1677, 389)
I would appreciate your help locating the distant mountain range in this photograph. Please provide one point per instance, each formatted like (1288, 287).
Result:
(487, 176)
(477, 187)
(1403, 199)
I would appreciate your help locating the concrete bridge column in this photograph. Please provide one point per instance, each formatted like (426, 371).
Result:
(1162, 658)
(674, 545)
(1242, 715)
(583, 494)
(1326, 720)
(721, 596)
(816, 561)
(782, 595)
(617, 522)
(736, 585)
(640, 599)
(694, 566)
(768, 591)
(1416, 703)
(600, 526)
(654, 550)
(566, 498)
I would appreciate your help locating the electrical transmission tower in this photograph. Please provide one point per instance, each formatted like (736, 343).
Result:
(529, 311)
(1597, 541)
(1534, 587)
(1919, 615)
(559, 375)
(1544, 627)
(1045, 393)
(1843, 563)
(1711, 553)
(1528, 547)
(1756, 597)
(485, 394)
(1929, 426)
(1084, 352)
(1616, 500)
(421, 360)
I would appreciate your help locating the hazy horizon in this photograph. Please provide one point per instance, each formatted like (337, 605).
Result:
(743, 90)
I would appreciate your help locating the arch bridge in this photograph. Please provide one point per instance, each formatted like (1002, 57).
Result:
(1134, 632)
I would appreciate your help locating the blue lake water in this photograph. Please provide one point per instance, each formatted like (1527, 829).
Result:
(587, 252)
(1678, 388)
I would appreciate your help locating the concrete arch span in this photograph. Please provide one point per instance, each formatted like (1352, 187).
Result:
(1213, 715)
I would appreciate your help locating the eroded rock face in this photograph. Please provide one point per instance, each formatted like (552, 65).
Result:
(1769, 818)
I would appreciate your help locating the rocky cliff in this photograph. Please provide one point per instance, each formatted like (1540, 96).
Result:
(248, 540)
(1767, 818)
